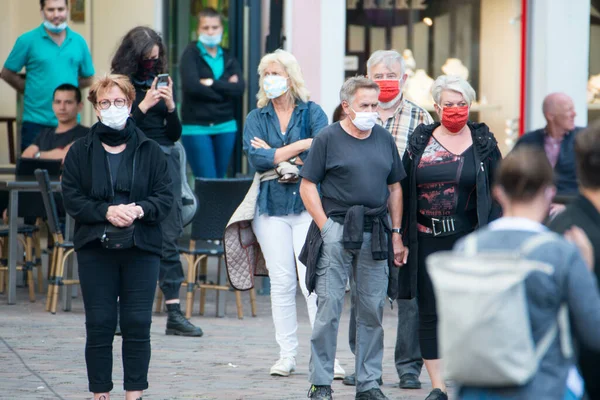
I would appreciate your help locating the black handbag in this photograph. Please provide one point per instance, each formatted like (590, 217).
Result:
(115, 238)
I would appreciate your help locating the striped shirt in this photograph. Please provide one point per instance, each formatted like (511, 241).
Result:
(403, 122)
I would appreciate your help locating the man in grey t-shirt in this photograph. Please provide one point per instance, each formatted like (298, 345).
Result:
(359, 171)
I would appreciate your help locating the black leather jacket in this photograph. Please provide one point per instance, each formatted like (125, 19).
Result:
(487, 158)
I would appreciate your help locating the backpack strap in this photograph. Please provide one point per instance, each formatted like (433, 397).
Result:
(470, 245)
(536, 241)
(306, 124)
(544, 344)
(566, 344)
(560, 325)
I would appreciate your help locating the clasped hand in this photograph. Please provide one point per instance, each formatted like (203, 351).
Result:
(123, 215)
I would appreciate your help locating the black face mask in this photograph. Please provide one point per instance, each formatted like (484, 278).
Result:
(146, 70)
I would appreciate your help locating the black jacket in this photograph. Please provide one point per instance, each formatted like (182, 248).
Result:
(311, 251)
(487, 158)
(150, 189)
(158, 123)
(582, 213)
(204, 105)
(565, 171)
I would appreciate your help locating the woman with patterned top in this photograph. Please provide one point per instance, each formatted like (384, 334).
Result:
(450, 167)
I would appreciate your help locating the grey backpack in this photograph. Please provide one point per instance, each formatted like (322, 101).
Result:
(484, 330)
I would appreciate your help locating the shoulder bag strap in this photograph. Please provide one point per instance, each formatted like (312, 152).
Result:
(306, 122)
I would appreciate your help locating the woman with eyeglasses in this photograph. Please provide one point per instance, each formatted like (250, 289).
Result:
(116, 186)
(142, 57)
(450, 166)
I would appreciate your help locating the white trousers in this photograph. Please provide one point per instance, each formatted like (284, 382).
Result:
(281, 239)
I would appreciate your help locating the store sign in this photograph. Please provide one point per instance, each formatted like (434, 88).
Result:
(386, 4)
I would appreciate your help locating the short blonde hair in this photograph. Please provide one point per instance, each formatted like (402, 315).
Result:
(454, 83)
(297, 87)
(108, 81)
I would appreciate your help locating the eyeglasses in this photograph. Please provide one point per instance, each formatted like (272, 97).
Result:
(105, 104)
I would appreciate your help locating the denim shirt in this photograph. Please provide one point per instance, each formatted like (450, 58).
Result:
(279, 199)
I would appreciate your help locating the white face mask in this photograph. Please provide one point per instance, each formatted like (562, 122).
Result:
(211, 41)
(55, 28)
(274, 86)
(114, 117)
(364, 121)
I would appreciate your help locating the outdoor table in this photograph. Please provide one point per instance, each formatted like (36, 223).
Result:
(14, 185)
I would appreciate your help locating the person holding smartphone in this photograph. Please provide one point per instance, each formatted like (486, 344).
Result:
(142, 56)
(211, 82)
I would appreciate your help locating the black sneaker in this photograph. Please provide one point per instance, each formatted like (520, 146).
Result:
(437, 394)
(320, 392)
(178, 325)
(350, 380)
(410, 381)
(371, 394)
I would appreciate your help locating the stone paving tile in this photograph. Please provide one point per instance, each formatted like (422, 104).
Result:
(42, 356)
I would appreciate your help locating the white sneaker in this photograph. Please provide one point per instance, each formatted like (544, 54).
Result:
(338, 371)
(284, 366)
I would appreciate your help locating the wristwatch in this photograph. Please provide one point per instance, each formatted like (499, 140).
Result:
(37, 155)
(397, 230)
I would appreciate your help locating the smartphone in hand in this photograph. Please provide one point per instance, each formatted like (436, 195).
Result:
(163, 80)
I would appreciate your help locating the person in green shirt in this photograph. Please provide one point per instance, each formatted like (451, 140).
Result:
(211, 82)
(52, 55)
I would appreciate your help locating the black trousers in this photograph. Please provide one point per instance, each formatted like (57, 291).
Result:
(428, 338)
(171, 271)
(131, 276)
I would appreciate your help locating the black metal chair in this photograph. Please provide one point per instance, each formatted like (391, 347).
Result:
(217, 200)
(62, 249)
(27, 237)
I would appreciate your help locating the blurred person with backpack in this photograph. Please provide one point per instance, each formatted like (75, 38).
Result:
(506, 291)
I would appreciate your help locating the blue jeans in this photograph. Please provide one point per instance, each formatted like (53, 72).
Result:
(29, 132)
(209, 155)
(368, 282)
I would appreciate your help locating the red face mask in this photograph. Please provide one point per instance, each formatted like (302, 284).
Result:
(455, 118)
(389, 89)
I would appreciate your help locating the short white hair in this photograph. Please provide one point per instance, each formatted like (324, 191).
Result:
(387, 57)
(353, 84)
(454, 83)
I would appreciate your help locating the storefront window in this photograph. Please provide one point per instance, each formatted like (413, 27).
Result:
(593, 89)
(434, 37)
(476, 39)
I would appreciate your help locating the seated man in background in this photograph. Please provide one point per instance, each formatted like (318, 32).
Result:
(54, 143)
(584, 212)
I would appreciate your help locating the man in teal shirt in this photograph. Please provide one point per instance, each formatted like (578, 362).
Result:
(52, 55)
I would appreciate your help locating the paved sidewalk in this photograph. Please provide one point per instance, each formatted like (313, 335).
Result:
(42, 356)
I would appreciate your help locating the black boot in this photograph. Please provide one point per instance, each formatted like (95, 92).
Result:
(178, 325)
